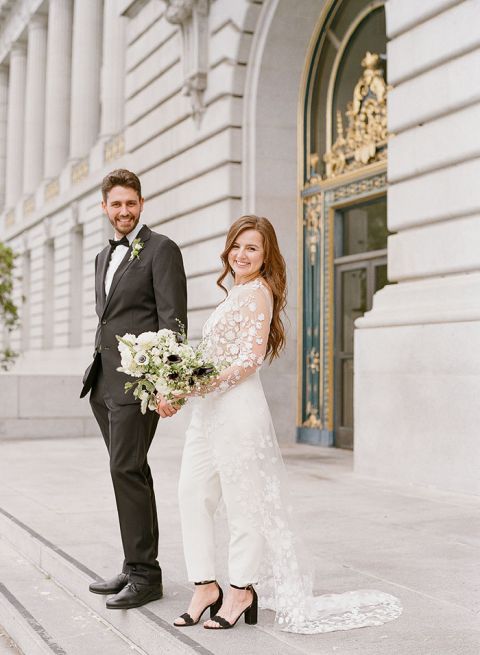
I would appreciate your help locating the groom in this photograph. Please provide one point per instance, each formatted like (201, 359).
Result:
(139, 286)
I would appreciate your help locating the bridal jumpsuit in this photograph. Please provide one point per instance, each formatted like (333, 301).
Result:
(231, 453)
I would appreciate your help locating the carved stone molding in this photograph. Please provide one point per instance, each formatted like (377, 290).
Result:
(192, 16)
(80, 170)
(114, 148)
(47, 229)
(15, 18)
(29, 205)
(10, 218)
(52, 189)
(365, 139)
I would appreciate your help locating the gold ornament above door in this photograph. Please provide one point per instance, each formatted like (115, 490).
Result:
(365, 140)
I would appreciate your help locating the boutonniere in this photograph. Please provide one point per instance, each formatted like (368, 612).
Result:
(137, 245)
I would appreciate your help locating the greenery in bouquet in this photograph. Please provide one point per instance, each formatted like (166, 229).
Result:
(165, 363)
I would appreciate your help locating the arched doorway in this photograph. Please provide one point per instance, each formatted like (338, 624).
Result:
(344, 210)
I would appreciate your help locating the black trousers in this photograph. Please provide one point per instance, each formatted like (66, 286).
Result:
(128, 434)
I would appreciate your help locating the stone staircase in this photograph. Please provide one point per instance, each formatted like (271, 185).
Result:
(46, 608)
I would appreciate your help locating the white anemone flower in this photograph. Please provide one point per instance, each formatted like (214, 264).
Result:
(141, 358)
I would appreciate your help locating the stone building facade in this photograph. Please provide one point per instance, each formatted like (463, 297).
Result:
(279, 108)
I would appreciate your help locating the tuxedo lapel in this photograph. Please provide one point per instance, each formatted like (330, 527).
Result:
(103, 259)
(126, 262)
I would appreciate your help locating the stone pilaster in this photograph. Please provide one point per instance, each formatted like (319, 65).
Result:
(3, 130)
(35, 103)
(15, 123)
(113, 70)
(86, 61)
(57, 105)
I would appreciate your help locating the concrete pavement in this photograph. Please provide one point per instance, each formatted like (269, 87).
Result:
(57, 512)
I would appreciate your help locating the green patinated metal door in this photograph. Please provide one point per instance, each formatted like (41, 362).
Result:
(344, 230)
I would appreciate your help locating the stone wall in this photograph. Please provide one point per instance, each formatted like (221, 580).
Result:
(417, 376)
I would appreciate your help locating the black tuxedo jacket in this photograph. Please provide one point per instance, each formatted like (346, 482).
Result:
(147, 294)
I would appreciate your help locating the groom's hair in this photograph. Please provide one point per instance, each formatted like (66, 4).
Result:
(120, 177)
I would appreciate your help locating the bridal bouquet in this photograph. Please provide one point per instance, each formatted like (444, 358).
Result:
(164, 363)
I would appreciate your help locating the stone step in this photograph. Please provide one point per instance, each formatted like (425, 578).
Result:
(147, 629)
(44, 619)
(43, 572)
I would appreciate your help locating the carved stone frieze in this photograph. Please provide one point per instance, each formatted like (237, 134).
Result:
(192, 16)
(10, 218)
(365, 139)
(52, 189)
(114, 148)
(80, 170)
(29, 206)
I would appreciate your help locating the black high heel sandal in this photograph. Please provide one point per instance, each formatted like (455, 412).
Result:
(251, 613)
(214, 607)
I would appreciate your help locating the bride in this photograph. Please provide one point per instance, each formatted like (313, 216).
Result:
(231, 452)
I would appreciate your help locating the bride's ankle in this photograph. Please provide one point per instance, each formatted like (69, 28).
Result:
(242, 594)
(209, 588)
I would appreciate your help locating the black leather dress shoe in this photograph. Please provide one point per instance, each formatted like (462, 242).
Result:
(135, 595)
(112, 586)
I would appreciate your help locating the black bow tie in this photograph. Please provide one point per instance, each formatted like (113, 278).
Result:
(121, 242)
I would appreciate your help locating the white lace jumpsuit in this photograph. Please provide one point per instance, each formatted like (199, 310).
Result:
(231, 451)
(221, 456)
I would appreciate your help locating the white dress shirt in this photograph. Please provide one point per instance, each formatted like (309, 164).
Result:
(117, 255)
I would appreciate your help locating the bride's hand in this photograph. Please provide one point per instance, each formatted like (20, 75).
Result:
(164, 408)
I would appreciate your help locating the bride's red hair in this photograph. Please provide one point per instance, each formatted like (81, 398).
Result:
(273, 271)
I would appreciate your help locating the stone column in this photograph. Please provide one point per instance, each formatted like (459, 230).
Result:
(3, 130)
(15, 123)
(35, 103)
(86, 61)
(57, 106)
(417, 370)
(113, 69)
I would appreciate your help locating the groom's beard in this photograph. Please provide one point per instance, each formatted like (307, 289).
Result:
(125, 225)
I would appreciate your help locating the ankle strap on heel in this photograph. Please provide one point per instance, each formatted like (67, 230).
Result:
(204, 582)
(249, 586)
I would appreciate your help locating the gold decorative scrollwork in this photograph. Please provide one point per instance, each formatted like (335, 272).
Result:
(313, 222)
(313, 360)
(366, 185)
(365, 140)
(313, 420)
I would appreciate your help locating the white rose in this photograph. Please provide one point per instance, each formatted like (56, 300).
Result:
(147, 339)
(161, 387)
(127, 359)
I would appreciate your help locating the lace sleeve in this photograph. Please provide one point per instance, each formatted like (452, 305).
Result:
(242, 337)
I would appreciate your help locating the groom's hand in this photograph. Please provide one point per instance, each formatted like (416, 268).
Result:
(164, 408)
